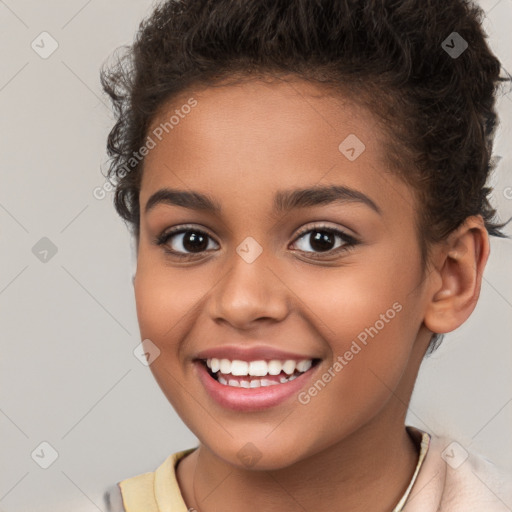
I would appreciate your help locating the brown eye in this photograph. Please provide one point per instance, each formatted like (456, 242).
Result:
(321, 239)
(185, 241)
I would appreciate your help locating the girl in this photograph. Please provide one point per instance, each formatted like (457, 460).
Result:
(305, 182)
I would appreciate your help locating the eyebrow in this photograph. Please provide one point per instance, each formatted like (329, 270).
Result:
(284, 200)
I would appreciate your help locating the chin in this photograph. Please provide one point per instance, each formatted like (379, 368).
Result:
(258, 456)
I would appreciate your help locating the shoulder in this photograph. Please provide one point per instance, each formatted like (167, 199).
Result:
(474, 482)
(455, 478)
(143, 492)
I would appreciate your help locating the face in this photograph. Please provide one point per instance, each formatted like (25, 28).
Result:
(257, 271)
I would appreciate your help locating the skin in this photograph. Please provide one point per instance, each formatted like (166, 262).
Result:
(240, 145)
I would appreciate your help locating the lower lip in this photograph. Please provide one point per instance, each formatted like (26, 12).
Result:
(251, 399)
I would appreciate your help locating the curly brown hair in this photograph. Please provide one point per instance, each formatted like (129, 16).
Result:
(436, 108)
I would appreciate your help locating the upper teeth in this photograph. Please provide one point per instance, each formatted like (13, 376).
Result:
(258, 368)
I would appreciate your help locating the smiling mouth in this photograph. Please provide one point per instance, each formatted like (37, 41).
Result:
(256, 374)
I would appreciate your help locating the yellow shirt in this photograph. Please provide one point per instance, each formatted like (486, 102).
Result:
(159, 491)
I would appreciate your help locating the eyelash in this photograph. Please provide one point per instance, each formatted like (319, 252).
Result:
(349, 240)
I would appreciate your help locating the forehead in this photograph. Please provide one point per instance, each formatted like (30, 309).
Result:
(256, 137)
(264, 117)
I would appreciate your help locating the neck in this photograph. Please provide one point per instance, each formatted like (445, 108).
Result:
(370, 469)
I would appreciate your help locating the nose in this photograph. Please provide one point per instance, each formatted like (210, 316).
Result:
(249, 293)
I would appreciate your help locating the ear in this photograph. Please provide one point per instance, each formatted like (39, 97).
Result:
(457, 277)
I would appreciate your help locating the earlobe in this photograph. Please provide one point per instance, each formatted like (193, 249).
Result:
(461, 262)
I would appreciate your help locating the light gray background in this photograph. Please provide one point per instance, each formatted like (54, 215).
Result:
(68, 373)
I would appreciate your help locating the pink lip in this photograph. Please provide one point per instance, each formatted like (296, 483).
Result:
(261, 352)
(252, 399)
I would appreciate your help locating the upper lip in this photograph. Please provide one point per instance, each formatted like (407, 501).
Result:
(259, 352)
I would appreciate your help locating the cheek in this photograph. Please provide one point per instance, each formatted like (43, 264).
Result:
(368, 361)
(343, 302)
(369, 318)
(163, 298)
